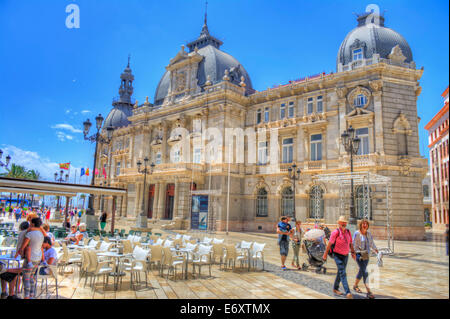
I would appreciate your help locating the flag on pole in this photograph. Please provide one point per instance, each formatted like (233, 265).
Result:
(82, 172)
(104, 172)
(65, 166)
(96, 172)
(87, 172)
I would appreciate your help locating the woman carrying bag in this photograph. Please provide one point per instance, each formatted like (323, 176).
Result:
(363, 243)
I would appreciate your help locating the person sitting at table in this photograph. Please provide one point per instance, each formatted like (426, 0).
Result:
(46, 227)
(72, 237)
(50, 256)
(82, 234)
(10, 277)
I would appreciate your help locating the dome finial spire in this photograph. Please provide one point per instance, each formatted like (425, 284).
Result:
(206, 13)
(129, 57)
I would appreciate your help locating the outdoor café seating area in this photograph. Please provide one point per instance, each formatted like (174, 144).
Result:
(120, 260)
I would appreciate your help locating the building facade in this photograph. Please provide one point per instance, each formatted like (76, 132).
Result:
(438, 144)
(205, 99)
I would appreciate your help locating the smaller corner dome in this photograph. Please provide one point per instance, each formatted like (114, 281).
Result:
(118, 117)
(374, 38)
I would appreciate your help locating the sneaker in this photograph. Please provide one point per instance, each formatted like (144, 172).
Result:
(4, 295)
(283, 267)
(13, 297)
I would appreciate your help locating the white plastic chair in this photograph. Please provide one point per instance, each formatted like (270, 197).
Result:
(207, 240)
(202, 257)
(136, 264)
(52, 272)
(256, 253)
(218, 241)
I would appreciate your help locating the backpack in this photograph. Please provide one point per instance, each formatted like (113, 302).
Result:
(331, 253)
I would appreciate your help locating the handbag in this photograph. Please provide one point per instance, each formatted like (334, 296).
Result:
(364, 255)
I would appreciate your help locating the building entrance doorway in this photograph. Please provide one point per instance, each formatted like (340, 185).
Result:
(151, 198)
(170, 194)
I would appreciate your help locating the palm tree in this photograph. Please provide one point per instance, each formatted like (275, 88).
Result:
(16, 171)
(20, 172)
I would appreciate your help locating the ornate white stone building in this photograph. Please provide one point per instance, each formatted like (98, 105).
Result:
(205, 91)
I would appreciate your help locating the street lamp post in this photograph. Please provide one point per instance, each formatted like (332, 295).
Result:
(351, 146)
(96, 138)
(5, 165)
(142, 221)
(61, 179)
(294, 175)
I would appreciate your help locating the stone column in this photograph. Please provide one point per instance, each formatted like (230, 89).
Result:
(378, 110)
(175, 199)
(137, 208)
(123, 205)
(342, 124)
(183, 200)
(161, 201)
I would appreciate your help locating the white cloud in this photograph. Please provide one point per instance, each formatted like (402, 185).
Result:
(85, 112)
(32, 160)
(63, 136)
(67, 127)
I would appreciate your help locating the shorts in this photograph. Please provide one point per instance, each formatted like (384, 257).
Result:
(284, 247)
(8, 276)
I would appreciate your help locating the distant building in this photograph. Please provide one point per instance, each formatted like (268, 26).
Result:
(438, 144)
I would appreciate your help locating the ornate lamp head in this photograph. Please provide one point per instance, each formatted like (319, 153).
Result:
(99, 121)
(87, 126)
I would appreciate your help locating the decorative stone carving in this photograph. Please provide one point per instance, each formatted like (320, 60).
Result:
(359, 90)
(226, 77)
(341, 92)
(401, 125)
(180, 81)
(376, 85)
(242, 84)
(396, 55)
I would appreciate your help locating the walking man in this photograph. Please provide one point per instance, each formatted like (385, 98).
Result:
(284, 232)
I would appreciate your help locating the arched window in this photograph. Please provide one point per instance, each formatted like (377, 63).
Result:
(363, 203)
(261, 203)
(287, 202)
(426, 191)
(316, 204)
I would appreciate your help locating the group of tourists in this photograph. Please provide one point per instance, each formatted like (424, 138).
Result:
(340, 244)
(34, 246)
(19, 213)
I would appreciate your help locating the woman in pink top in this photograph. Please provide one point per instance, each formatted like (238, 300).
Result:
(341, 239)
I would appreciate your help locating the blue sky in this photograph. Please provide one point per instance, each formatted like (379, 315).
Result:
(53, 78)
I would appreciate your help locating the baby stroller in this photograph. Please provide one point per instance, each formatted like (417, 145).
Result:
(315, 250)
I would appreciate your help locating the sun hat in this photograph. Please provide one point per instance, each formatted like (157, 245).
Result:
(342, 219)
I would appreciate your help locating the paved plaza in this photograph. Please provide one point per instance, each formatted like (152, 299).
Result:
(418, 269)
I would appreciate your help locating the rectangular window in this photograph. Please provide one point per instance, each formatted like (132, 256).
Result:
(266, 115)
(197, 155)
(310, 105)
(258, 116)
(316, 147)
(357, 54)
(262, 153)
(177, 156)
(158, 159)
(291, 110)
(360, 100)
(288, 150)
(319, 104)
(363, 134)
(282, 111)
(118, 169)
